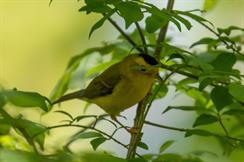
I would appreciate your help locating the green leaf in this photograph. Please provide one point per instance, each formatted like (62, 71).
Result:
(184, 108)
(130, 11)
(160, 89)
(100, 22)
(204, 83)
(80, 117)
(143, 145)
(97, 142)
(4, 127)
(95, 8)
(221, 97)
(224, 62)
(26, 99)
(209, 4)
(205, 119)
(183, 21)
(206, 40)
(198, 132)
(89, 135)
(228, 30)
(237, 91)
(153, 24)
(31, 131)
(65, 113)
(2, 100)
(193, 16)
(166, 145)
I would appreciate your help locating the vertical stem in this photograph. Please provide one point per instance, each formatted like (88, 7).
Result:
(142, 106)
(163, 31)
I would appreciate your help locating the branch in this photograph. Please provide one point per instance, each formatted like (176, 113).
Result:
(142, 37)
(163, 31)
(186, 129)
(125, 35)
(142, 108)
(91, 128)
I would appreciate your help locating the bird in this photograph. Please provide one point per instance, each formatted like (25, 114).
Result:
(121, 86)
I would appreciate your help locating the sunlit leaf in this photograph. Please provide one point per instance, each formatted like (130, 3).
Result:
(205, 119)
(209, 4)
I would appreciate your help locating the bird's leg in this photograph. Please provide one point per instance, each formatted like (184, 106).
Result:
(128, 129)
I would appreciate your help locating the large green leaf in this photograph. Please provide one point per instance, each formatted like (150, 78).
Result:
(221, 97)
(130, 11)
(153, 23)
(205, 119)
(26, 99)
(224, 62)
(237, 91)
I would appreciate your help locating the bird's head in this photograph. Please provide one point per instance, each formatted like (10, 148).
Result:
(142, 64)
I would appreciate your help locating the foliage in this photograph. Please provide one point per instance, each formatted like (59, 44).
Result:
(209, 77)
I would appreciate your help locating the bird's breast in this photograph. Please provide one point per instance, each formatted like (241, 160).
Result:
(127, 93)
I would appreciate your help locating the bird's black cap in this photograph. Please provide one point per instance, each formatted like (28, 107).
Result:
(149, 59)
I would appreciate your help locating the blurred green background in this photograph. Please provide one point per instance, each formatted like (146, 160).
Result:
(36, 42)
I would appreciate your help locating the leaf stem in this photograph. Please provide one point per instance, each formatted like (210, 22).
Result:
(142, 37)
(162, 32)
(125, 35)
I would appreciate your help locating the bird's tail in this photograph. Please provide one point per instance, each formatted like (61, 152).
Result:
(70, 96)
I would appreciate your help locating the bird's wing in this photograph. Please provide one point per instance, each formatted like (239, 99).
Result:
(104, 84)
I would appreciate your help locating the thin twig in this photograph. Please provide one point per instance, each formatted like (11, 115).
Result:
(91, 128)
(223, 126)
(125, 35)
(142, 37)
(187, 129)
(218, 35)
